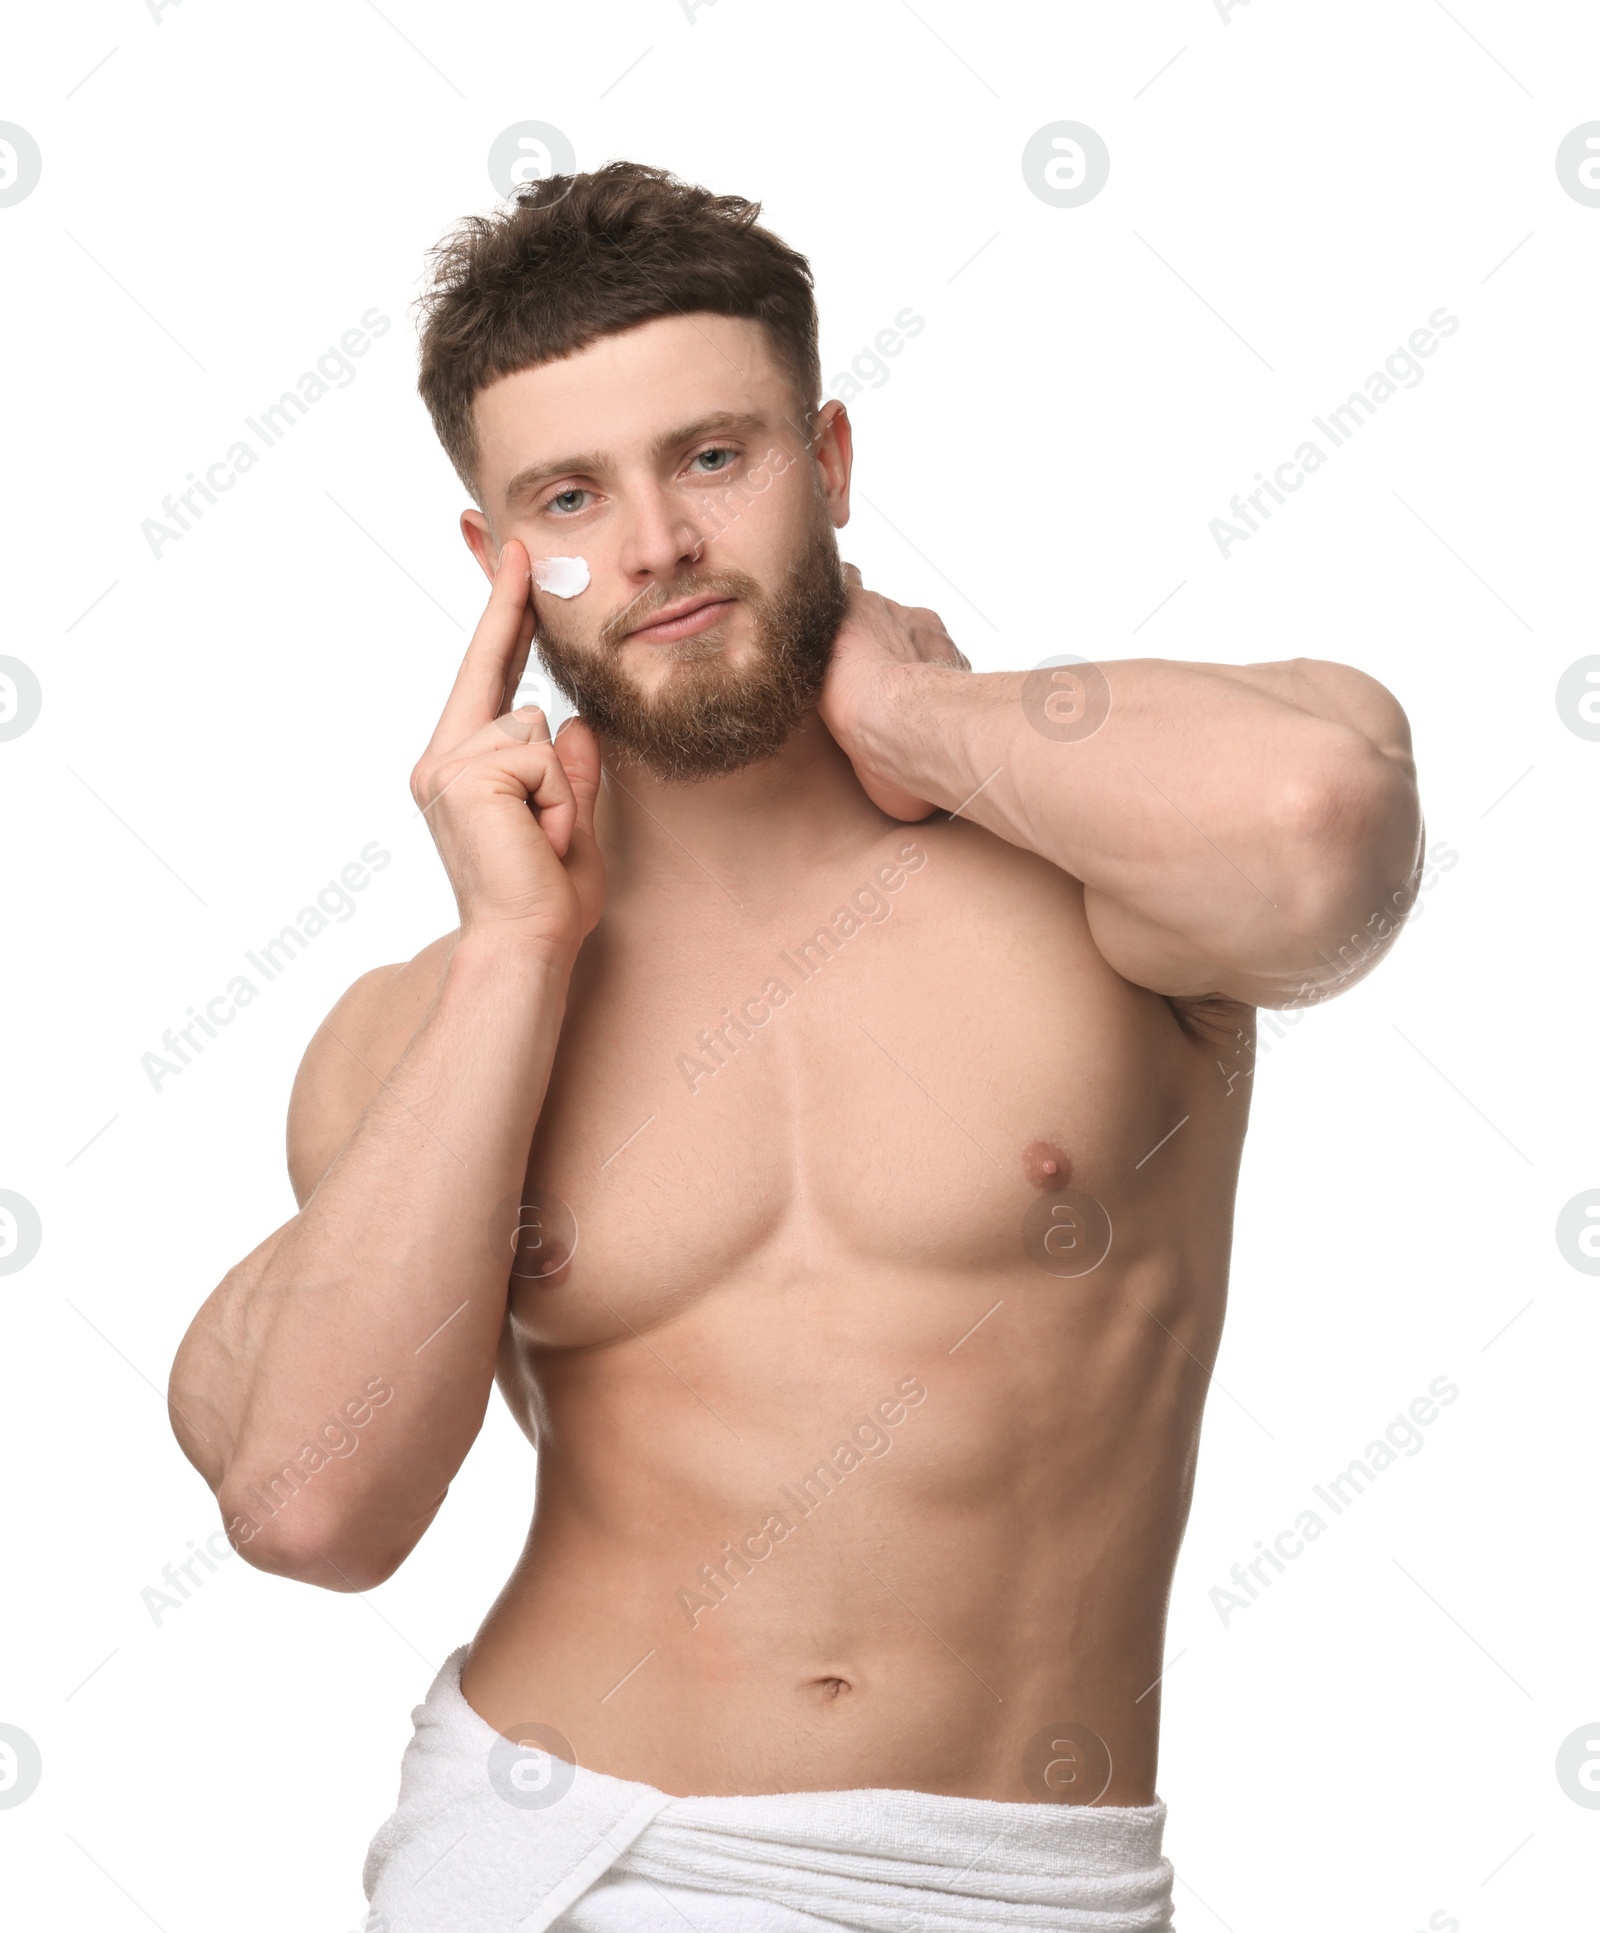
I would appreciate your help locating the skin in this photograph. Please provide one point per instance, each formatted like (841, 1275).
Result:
(825, 1236)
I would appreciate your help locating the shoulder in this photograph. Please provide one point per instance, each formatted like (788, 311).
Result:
(352, 1053)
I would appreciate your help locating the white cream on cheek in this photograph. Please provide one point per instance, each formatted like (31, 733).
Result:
(561, 576)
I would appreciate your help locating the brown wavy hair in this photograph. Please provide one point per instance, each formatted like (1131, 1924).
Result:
(578, 257)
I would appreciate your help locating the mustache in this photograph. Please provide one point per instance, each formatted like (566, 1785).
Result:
(655, 598)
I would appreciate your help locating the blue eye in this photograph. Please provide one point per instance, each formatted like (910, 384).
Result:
(559, 499)
(719, 451)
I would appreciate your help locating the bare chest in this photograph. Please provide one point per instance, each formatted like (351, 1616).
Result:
(912, 1079)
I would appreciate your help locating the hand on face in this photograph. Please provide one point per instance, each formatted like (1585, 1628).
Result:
(511, 813)
(877, 638)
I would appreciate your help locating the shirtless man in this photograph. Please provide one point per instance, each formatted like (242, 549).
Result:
(823, 1123)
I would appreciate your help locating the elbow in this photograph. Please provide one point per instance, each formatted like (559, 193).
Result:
(292, 1538)
(1355, 829)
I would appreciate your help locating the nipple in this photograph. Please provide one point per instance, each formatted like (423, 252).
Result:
(1046, 1166)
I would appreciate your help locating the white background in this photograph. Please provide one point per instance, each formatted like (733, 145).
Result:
(1293, 191)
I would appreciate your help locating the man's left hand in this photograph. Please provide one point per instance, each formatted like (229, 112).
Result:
(878, 640)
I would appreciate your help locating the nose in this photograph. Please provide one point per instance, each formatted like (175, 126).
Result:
(660, 541)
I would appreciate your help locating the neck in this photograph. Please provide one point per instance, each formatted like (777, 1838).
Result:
(752, 831)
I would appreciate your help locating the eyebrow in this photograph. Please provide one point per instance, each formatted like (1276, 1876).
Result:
(527, 482)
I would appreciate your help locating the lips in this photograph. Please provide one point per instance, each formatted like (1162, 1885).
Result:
(685, 619)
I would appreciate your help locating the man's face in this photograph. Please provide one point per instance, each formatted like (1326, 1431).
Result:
(669, 459)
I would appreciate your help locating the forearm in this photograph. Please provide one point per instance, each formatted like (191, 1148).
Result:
(390, 1276)
(1248, 810)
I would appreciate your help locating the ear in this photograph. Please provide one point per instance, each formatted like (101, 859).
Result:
(480, 541)
(832, 450)
(579, 752)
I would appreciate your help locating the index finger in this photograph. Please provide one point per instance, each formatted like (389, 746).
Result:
(478, 694)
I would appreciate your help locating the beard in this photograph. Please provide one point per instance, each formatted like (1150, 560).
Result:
(708, 718)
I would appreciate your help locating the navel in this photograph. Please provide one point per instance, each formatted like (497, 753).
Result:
(831, 1686)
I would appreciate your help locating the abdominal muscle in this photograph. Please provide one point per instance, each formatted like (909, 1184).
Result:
(862, 1531)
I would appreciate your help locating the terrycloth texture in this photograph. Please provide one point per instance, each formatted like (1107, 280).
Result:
(611, 1856)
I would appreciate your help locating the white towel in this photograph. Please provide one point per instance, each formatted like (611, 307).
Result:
(582, 1852)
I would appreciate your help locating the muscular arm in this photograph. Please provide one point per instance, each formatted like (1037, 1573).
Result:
(1235, 827)
(331, 1386)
